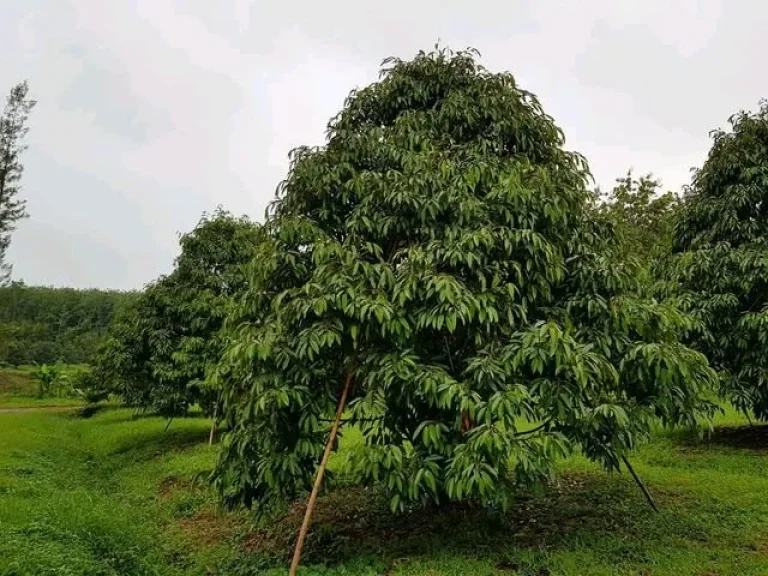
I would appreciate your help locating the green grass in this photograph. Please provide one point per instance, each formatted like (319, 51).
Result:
(32, 402)
(97, 496)
(112, 494)
(19, 388)
(18, 381)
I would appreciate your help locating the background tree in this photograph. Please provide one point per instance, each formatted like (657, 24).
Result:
(13, 128)
(721, 266)
(642, 216)
(434, 273)
(161, 349)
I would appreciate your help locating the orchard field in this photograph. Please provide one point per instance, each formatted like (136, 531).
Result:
(111, 493)
(443, 351)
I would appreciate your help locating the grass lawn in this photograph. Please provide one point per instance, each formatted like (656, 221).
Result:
(112, 494)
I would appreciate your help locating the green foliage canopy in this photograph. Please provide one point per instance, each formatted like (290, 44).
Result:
(160, 349)
(438, 251)
(642, 216)
(721, 266)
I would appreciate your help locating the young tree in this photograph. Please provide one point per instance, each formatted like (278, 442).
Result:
(722, 258)
(46, 377)
(434, 275)
(643, 217)
(13, 128)
(162, 348)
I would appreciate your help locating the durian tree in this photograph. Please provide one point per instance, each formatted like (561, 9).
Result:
(160, 350)
(642, 214)
(433, 277)
(720, 269)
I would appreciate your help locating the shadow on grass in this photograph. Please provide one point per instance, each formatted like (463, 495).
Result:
(745, 437)
(91, 410)
(155, 442)
(353, 521)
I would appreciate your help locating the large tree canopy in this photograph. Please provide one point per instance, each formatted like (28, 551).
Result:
(722, 261)
(161, 349)
(435, 262)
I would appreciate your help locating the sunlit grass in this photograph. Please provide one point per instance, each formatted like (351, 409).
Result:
(115, 494)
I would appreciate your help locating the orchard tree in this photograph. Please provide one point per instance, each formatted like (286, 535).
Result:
(162, 348)
(433, 276)
(13, 129)
(722, 258)
(643, 216)
(123, 366)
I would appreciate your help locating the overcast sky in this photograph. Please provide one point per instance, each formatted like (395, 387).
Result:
(153, 111)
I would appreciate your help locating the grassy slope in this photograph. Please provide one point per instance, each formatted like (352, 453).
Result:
(19, 387)
(83, 496)
(17, 382)
(112, 495)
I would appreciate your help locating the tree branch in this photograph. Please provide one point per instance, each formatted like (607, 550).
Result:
(353, 419)
(533, 430)
(640, 483)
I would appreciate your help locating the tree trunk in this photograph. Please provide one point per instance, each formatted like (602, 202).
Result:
(213, 423)
(319, 478)
(640, 484)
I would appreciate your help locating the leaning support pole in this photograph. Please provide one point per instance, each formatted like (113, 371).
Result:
(319, 478)
(640, 484)
(213, 423)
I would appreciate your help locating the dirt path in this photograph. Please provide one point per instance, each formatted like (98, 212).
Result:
(19, 409)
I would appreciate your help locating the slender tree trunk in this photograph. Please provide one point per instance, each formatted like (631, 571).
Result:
(169, 424)
(213, 424)
(640, 484)
(319, 478)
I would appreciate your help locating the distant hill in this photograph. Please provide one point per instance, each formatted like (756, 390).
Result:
(43, 325)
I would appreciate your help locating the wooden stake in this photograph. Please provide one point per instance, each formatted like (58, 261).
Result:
(319, 478)
(213, 423)
(640, 484)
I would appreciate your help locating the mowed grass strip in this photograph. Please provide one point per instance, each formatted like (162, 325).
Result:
(115, 494)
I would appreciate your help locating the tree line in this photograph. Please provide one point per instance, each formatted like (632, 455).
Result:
(44, 325)
(441, 275)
